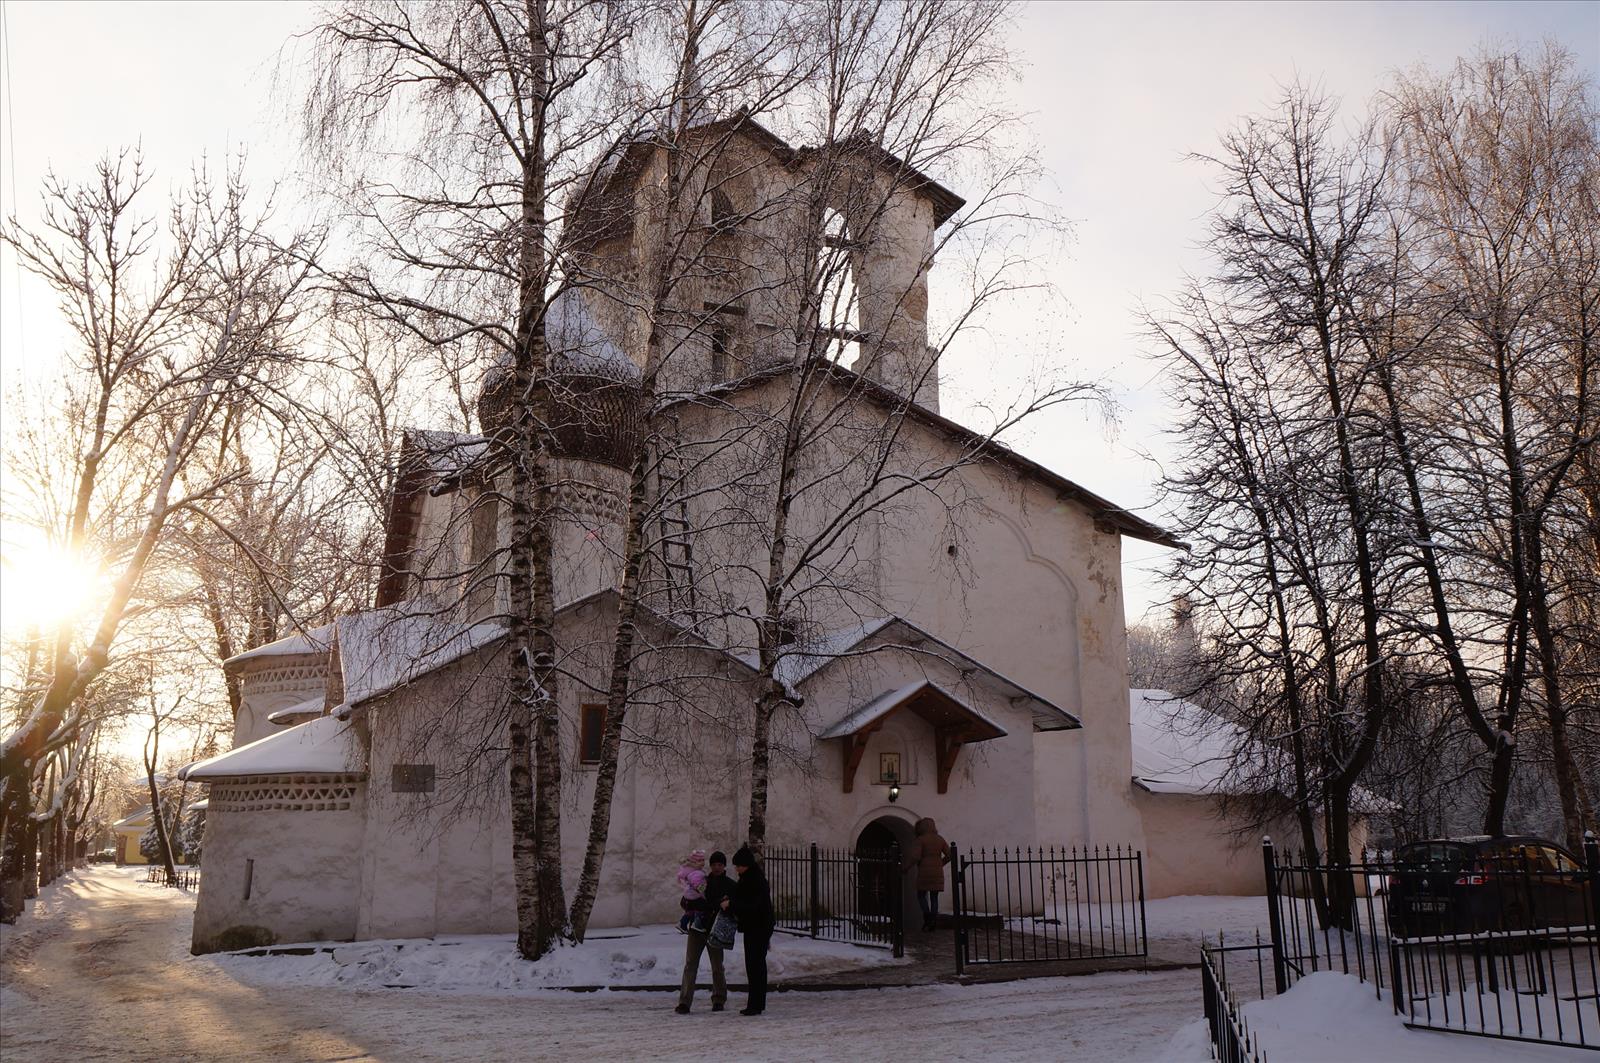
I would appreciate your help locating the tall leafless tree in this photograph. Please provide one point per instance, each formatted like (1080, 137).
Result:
(171, 325)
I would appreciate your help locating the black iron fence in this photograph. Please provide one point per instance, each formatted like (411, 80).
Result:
(838, 894)
(184, 880)
(1504, 945)
(1231, 1039)
(1033, 905)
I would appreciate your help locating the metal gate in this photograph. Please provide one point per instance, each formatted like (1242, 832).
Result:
(838, 894)
(1047, 904)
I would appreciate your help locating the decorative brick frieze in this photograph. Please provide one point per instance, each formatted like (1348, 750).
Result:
(300, 674)
(287, 793)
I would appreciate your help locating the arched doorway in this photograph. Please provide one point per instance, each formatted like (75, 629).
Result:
(883, 842)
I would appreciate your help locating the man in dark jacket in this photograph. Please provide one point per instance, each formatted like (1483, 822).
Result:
(718, 888)
(751, 905)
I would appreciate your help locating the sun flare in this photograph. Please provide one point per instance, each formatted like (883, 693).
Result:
(44, 586)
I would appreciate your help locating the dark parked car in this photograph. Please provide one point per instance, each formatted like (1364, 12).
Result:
(1478, 884)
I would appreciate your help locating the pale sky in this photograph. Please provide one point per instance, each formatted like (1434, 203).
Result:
(1119, 93)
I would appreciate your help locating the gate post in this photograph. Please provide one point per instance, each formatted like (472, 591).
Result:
(1280, 973)
(816, 886)
(957, 915)
(1144, 925)
(1591, 856)
(897, 903)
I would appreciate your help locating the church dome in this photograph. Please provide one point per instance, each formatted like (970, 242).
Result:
(595, 404)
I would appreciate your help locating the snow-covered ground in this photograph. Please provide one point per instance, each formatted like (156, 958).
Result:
(1175, 925)
(99, 970)
(1335, 1018)
(634, 956)
(652, 955)
(1194, 918)
(110, 978)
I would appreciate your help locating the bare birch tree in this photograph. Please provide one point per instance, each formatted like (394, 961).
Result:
(481, 114)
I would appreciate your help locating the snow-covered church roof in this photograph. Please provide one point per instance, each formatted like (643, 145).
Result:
(324, 746)
(382, 649)
(932, 700)
(578, 345)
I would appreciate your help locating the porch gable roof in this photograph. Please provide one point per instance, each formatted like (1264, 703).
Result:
(955, 724)
(929, 700)
(802, 661)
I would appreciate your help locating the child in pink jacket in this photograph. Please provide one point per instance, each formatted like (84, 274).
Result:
(692, 879)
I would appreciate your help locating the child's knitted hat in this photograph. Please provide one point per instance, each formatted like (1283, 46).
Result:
(696, 858)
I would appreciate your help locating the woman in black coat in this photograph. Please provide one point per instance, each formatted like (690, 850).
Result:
(751, 905)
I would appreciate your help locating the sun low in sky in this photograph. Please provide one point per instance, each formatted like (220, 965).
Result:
(43, 586)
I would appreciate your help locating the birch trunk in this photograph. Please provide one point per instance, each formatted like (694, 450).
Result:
(640, 502)
(534, 734)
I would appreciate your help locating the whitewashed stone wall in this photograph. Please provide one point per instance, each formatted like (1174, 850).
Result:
(280, 862)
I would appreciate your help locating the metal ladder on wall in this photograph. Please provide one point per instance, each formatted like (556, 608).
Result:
(676, 539)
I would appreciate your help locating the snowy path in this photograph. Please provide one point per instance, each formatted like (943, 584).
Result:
(106, 974)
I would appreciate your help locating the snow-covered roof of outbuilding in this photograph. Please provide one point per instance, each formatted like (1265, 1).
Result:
(324, 746)
(1178, 747)
(311, 640)
(134, 819)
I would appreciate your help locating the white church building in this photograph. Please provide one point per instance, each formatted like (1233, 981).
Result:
(979, 662)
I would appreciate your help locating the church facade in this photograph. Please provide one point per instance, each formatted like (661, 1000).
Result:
(965, 644)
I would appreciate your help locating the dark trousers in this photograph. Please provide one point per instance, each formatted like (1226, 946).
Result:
(928, 901)
(755, 967)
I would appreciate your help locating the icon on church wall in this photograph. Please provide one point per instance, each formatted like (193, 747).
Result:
(888, 767)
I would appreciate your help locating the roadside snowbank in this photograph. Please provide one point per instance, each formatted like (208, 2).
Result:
(1334, 1018)
(626, 956)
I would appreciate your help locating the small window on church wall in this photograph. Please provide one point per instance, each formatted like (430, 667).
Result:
(723, 219)
(482, 575)
(719, 354)
(412, 779)
(889, 768)
(249, 877)
(592, 730)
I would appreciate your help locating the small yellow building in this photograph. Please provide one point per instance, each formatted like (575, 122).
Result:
(127, 831)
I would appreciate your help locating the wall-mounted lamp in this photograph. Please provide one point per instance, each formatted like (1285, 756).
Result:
(894, 787)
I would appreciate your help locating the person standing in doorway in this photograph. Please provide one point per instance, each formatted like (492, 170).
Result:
(927, 857)
(718, 887)
(751, 905)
